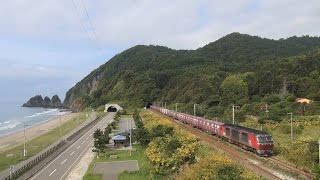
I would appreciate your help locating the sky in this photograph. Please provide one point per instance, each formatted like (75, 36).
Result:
(47, 46)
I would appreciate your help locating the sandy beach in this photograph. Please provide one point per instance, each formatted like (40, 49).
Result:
(17, 138)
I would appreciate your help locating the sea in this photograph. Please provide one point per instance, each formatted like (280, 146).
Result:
(14, 118)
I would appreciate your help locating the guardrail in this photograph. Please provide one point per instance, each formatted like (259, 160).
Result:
(82, 129)
(38, 159)
(34, 162)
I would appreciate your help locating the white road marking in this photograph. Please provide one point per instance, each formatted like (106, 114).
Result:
(87, 138)
(64, 161)
(84, 150)
(52, 172)
(71, 153)
(78, 147)
(83, 142)
(66, 151)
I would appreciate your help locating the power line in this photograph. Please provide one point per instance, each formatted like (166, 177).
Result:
(93, 30)
(84, 28)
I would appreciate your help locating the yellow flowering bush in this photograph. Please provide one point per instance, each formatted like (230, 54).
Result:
(168, 153)
(174, 152)
(214, 166)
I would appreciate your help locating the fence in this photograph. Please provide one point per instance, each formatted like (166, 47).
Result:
(34, 162)
(44, 155)
(82, 129)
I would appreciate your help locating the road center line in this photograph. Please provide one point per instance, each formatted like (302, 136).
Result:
(52, 172)
(33, 177)
(83, 142)
(78, 147)
(71, 153)
(87, 138)
(64, 161)
(84, 150)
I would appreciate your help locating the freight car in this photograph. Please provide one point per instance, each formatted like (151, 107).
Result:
(249, 139)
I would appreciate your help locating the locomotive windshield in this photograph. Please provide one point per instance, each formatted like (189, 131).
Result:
(264, 139)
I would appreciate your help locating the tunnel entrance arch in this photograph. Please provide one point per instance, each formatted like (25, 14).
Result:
(147, 105)
(112, 108)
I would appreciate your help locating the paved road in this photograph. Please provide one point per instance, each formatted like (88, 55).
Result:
(124, 124)
(61, 166)
(6, 172)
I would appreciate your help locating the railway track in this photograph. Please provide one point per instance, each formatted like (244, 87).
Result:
(257, 167)
(291, 167)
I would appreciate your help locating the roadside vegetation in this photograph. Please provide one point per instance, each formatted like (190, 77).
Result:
(164, 151)
(175, 153)
(15, 155)
(303, 149)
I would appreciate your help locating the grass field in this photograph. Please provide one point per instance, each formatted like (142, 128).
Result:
(143, 173)
(14, 156)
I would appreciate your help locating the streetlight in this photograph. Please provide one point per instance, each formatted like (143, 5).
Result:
(194, 109)
(233, 106)
(291, 125)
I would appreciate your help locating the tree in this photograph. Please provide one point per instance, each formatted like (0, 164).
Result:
(108, 129)
(97, 133)
(161, 130)
(142, 136)
(233, 89)
(99, 141)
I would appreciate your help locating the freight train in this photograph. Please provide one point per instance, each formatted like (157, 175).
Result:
(249, 139)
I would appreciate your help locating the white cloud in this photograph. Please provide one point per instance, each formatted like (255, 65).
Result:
(44, 39)
(121, 24)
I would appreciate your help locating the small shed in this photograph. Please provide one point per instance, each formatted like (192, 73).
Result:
(120, 141)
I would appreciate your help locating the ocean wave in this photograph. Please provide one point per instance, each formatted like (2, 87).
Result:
(41, 113)
(6, 122)
(9, 126)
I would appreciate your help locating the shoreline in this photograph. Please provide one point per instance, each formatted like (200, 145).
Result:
(16, 138)
(28, 127)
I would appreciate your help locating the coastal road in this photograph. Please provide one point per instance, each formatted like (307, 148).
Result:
(61, 166)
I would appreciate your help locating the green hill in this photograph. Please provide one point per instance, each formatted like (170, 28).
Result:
(240, 69)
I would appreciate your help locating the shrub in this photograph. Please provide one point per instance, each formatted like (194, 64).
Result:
(215, 166)
(271, 99)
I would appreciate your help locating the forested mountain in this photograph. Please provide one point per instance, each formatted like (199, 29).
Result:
(240, 69)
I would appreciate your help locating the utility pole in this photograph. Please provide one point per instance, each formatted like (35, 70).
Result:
(24, 142)
(60, 125)
(194, 109)
(177, 107)
(130, 136)
(11, 170)
(128, 126)
(291, 125)
(267, 110)
(165, 105)
(233, 106)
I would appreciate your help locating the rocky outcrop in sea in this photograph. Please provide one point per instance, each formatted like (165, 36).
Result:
(38, 101)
